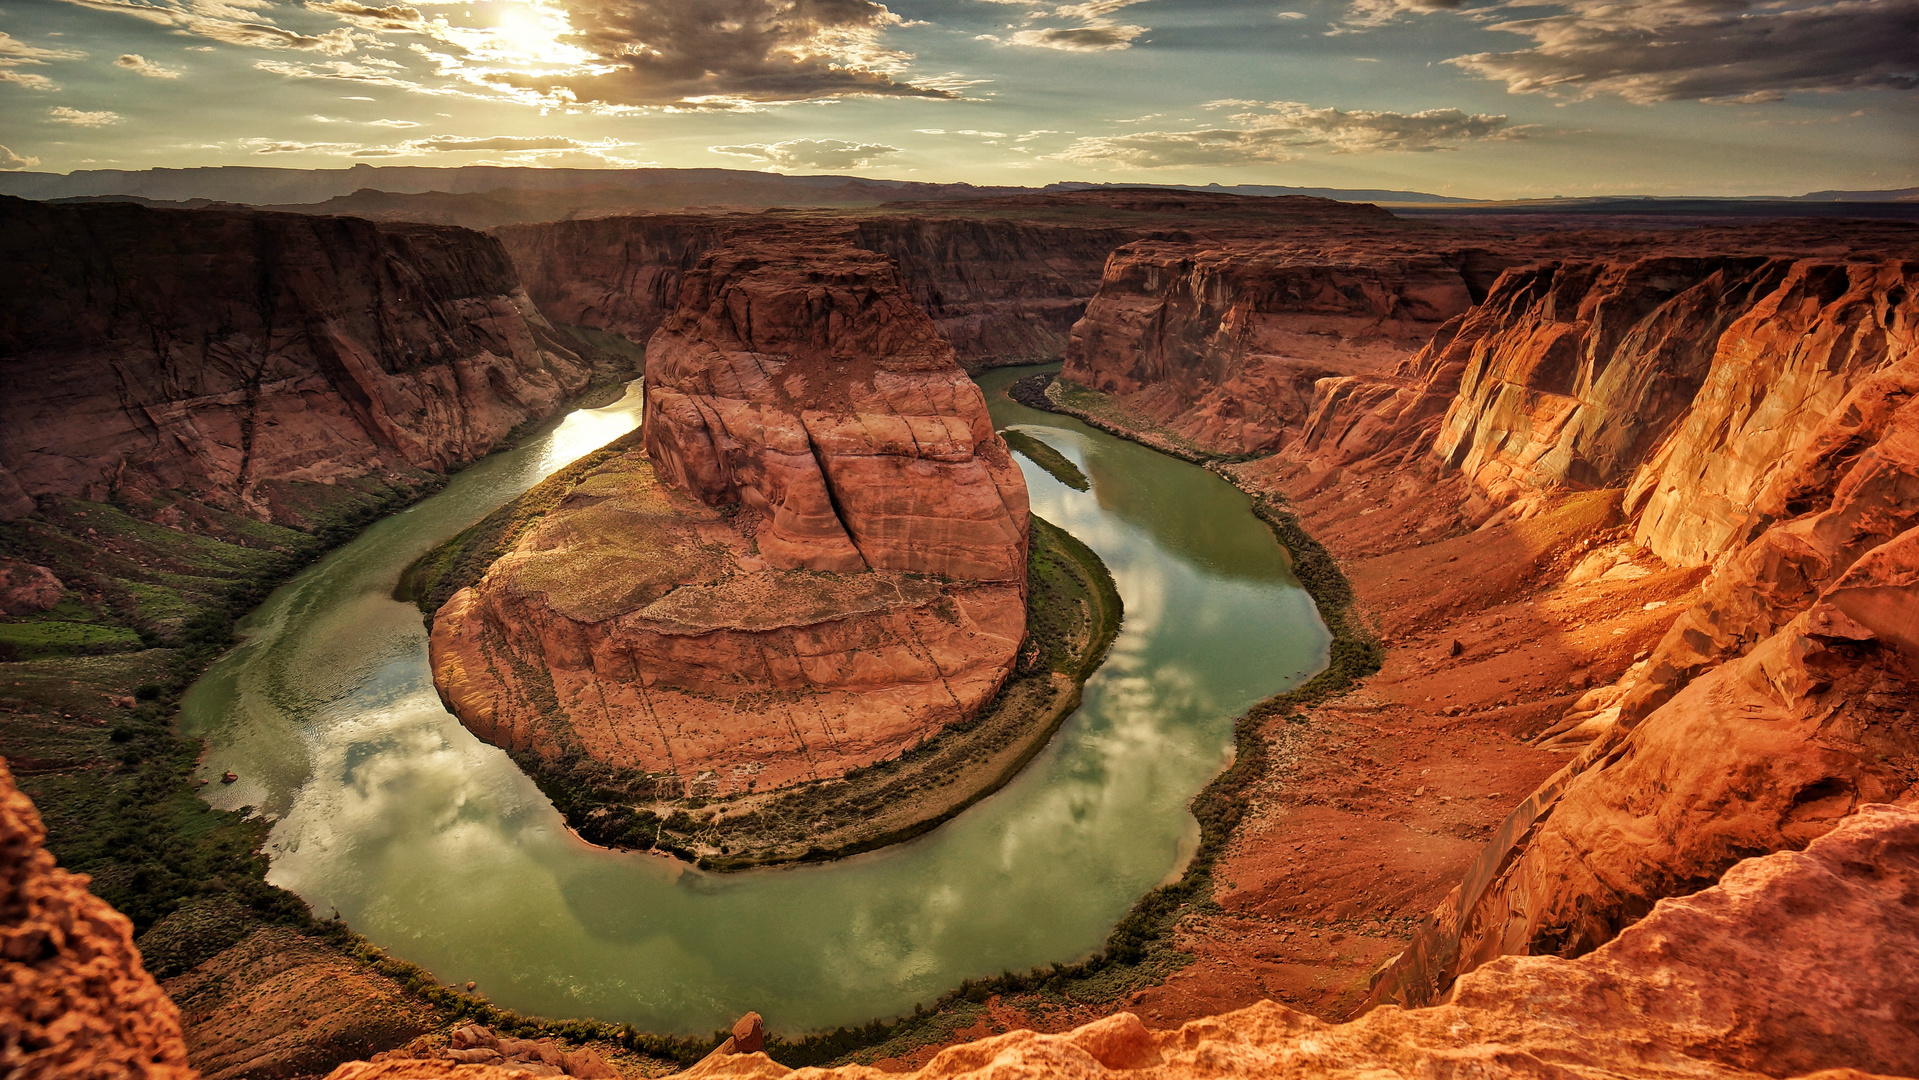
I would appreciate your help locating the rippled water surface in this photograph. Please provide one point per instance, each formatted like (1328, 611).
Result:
(433, 844)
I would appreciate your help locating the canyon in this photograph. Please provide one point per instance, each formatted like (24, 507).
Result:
(231, 359)
(1631, 514)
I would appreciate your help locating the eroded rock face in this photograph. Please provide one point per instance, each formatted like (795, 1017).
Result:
(228, 354)
(998, 291)
(810, 389)
(1696, 988)
(74, 1000)
(1782, 698)
(819, 561)
(26, 588)
(1224, 346)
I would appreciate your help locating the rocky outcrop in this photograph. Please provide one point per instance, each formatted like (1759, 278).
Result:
(1004, 279)
(26, 588)
(1781, 699)
(1225, 346)
(999, 291)
(74, 1000)
(227, 355)
(1694, 989)
(819, 561)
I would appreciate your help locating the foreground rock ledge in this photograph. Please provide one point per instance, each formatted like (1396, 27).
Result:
(819, 562)
(1795, 964)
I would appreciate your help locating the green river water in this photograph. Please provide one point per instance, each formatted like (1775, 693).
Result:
(433, 845)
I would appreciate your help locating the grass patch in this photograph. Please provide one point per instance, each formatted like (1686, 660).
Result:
(1055, 463)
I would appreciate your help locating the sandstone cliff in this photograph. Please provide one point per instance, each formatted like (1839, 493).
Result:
(1224, 345)
(1694, 989)
(235, 357)
(74, 1000)
(1004, 279)
(819, 561)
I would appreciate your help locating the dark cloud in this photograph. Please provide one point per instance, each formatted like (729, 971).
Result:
(1278, 131)
(1092, 30)
(1080, 38)
(811, 153)
(394, 17)
(1713, 50)
(720, 52)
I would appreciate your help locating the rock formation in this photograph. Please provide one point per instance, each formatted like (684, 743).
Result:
(237, 357)
(819, 562)
(1694, 989)
(1004, 279)
(74, 1000)
(1225, 345)
(1741, 397)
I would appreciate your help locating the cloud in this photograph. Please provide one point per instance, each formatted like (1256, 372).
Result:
(497, 142)
(389, 123)
(10, 161)
(82, 118)
(1277, 131)
(1091, 29)
(235, 22)
(1730, 51)
(16, 54)
(1721, 51)
(719, 53)
(140, 65)
(811, 153)
(1106, 38)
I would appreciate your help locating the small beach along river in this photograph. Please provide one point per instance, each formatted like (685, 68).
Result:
(434, 846)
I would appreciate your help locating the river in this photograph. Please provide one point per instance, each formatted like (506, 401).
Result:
(433, 845)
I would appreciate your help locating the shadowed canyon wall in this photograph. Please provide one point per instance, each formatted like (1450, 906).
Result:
(236, 357)
(1004, 283)
(819, 561)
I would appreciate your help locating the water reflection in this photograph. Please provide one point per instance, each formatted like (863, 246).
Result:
(433, 845)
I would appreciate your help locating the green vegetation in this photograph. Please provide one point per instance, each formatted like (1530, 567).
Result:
(1054, 462)
(89, 690)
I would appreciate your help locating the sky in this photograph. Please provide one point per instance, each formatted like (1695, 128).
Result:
(1476, 98)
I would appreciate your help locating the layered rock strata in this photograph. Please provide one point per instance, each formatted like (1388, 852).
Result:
(227, 355)
(1225, 345)
(1003, 279)
(819, 560)
(1716, 431)
(1694, 989)
(74, 1000)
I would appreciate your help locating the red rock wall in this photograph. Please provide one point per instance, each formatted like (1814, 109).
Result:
(1784, 698)
(213, 352)
(811, 389)
(1225, 345)
(74, 1000)
(999, 291)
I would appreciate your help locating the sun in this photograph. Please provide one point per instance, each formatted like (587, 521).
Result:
(529, 33)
